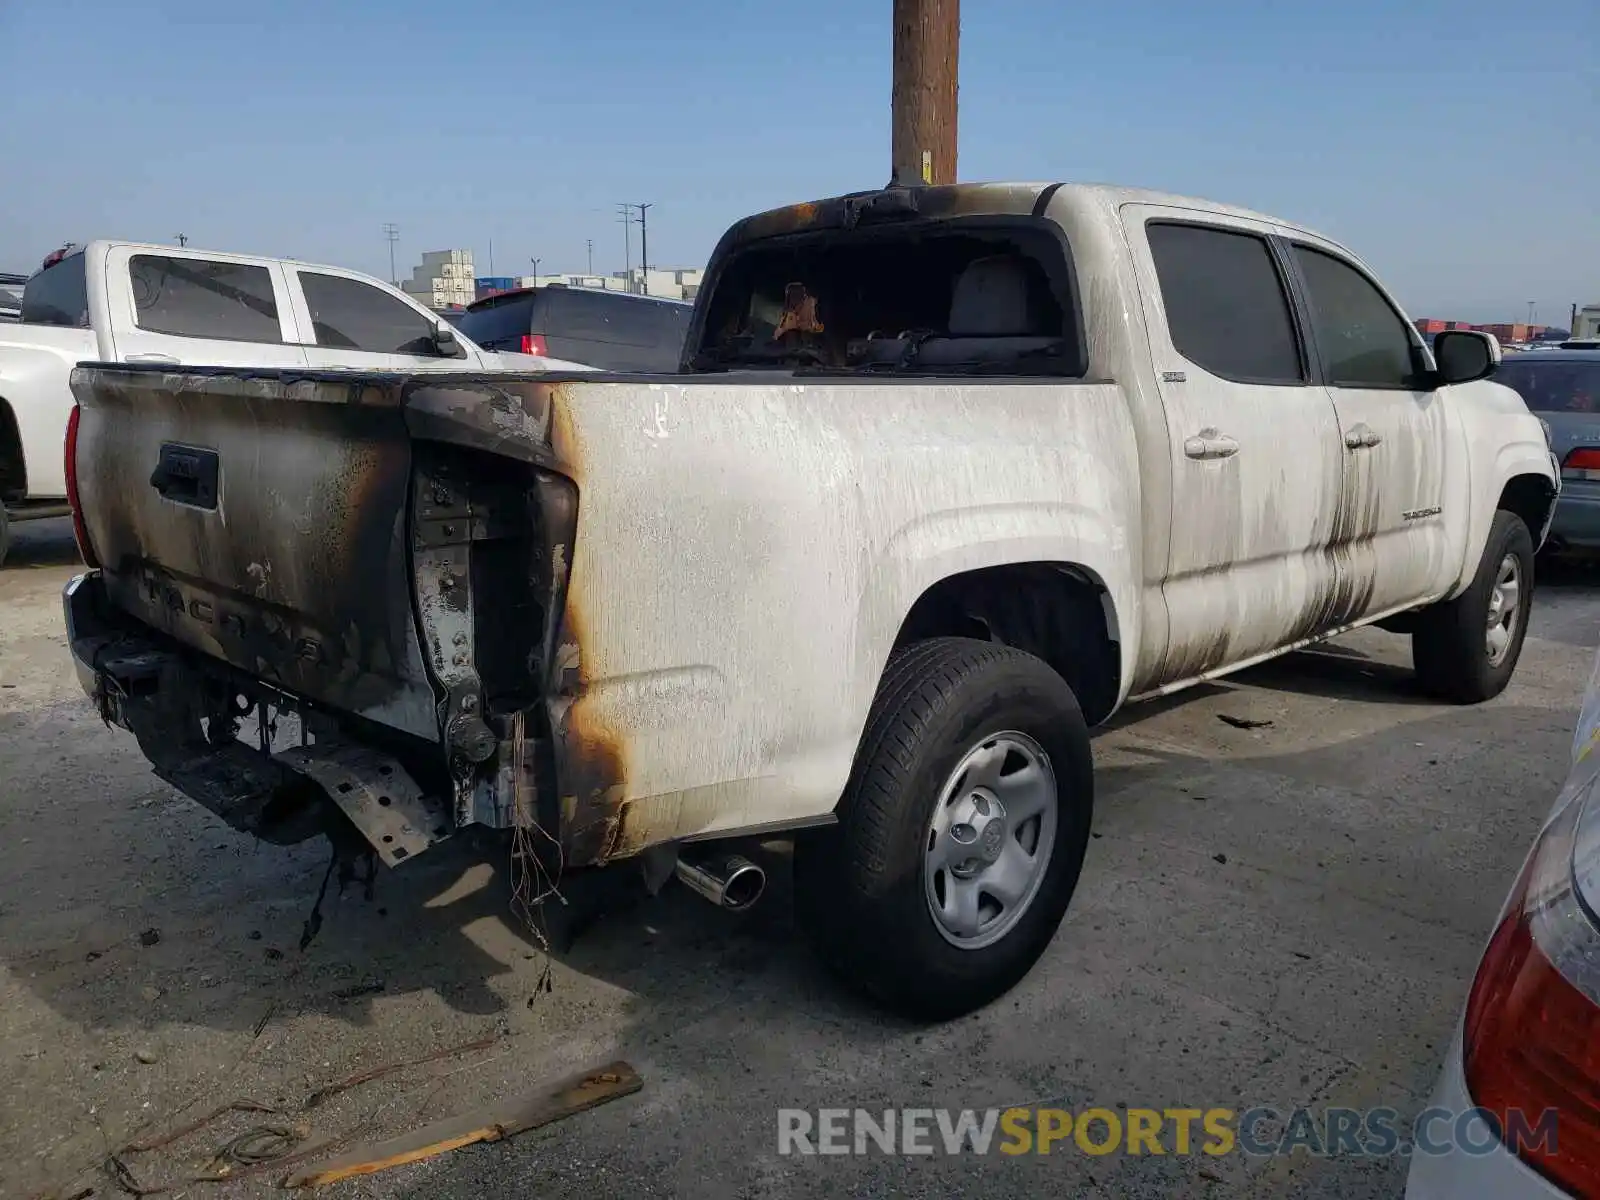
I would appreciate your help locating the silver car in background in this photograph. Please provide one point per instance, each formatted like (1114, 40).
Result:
(1563, 388)
(1527, 1051)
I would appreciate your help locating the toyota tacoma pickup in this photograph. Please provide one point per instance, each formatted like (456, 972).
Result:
(949, 475)
(134, 303)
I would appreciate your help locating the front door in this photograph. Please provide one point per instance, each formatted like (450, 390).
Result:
(1390, 542)
(1256, 456)
(354, 325)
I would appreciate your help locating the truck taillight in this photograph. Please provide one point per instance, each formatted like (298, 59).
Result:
(1531, 1038)
(533, 343)
(79, 531)
(1582, 463)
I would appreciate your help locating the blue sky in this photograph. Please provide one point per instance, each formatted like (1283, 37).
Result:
(1452, 145)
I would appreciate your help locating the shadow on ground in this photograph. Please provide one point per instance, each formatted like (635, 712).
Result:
(41, 544)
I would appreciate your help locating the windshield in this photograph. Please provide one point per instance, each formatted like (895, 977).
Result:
(58, 295)
(1553, 386)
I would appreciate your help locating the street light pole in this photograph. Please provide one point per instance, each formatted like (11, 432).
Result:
(927, 40)
(535, 263)
(589, 242)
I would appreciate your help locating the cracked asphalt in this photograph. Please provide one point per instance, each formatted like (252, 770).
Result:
(1284, 915)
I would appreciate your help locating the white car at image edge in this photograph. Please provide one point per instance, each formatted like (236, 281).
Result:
(1529, 1039)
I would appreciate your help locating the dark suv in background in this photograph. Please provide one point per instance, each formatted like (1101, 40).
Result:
(610, 331)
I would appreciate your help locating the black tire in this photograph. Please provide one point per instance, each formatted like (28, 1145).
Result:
(859, 885)
(5, 534)
(1448, 646)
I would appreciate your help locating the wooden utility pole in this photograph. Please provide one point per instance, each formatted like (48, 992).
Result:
(927, 39)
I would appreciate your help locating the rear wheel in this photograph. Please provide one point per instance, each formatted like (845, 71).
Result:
(961, 832)
(1466, 649)
(5, 533)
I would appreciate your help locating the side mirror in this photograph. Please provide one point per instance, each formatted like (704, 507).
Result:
(1462, 355)
(446, 342)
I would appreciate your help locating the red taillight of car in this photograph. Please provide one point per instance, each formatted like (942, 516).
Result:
(1582, 463)
(79, 530)
(533, 343)
(1531, 1038)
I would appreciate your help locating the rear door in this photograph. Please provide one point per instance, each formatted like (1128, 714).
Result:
(174, 307)
(1254, 441)
(1392, 538)
(349, 323)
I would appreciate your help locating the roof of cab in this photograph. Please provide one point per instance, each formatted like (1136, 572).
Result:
(991, 199)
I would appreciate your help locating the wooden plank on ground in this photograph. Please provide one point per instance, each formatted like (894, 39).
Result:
(491, 1123)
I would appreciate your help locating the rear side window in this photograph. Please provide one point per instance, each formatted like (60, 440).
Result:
(347, 314)
(58, 295)
(196, 297)
(498, 320)
(1226, 306)
(1364, 341)
(1553, 387)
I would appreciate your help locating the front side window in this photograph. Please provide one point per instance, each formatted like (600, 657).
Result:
(196, 297)
(347, 314)
(1226, 306)
(1364, 342)
(58, 295)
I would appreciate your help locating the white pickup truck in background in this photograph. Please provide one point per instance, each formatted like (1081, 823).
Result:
(135, 303)
(954, 474)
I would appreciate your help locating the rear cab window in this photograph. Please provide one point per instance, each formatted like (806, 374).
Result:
(204, 298)
(962, 295)
(58, 295)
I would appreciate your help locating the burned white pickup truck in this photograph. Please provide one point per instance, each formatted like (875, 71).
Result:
(950, 475)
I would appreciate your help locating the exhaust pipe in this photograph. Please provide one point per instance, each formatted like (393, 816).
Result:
(729, 881)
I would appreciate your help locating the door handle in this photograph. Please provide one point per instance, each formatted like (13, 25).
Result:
(157, 359)
(1361, 437)
(1208, 443)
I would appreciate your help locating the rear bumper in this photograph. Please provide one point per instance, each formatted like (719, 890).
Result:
(187, 711)
(1576, 523)
(1496, 1174)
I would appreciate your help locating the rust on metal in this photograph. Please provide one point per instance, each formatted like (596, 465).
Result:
(590, 756)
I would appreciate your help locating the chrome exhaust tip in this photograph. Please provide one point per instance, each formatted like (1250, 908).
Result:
(729, 881)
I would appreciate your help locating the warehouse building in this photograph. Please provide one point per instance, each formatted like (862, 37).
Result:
(669, 283)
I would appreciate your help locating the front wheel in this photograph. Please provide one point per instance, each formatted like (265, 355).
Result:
(1466, 649)
(961, 832)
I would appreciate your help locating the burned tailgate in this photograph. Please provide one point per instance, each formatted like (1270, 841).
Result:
(323, 592)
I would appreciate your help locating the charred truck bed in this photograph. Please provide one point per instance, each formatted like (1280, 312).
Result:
(334, 593)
